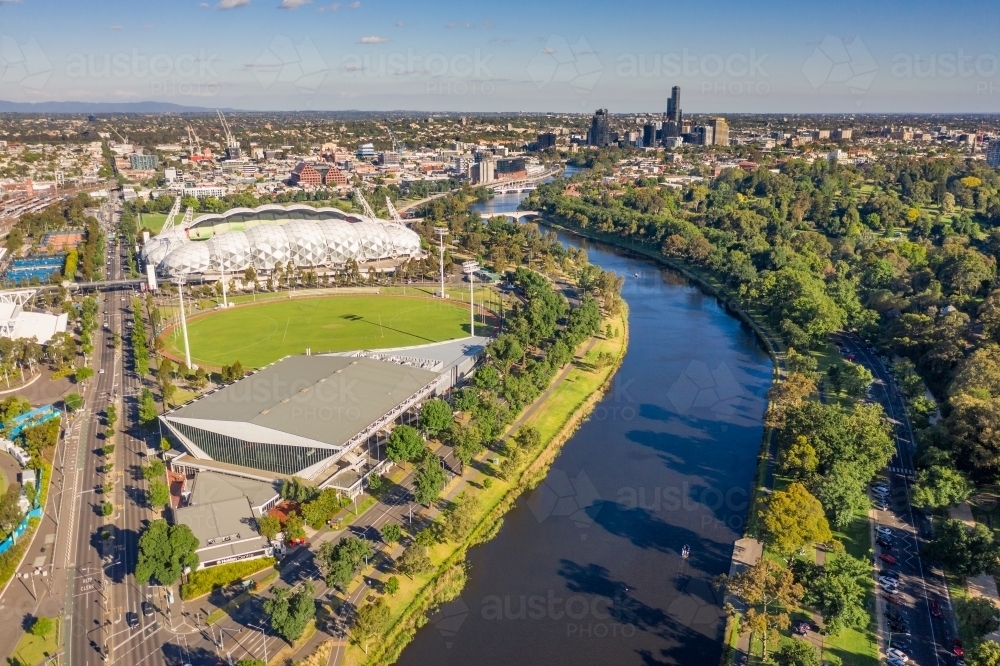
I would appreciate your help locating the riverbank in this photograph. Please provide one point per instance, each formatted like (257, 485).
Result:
(557, 413)
(852, 647)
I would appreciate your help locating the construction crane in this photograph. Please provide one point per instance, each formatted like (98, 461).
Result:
(393, 213)
(396, 145)
(193, 141)
(364, 203)
(232, 145)
(122, 139)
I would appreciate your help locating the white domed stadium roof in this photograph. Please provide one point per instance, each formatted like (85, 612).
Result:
(273, 234)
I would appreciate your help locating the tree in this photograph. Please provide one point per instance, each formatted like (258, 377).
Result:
(147, 408)
(838, 591)
(154, 470)
(83, 374)
(964, 551)
(391, 586)
(158, 494)
(295, 527)
(986, 653)
(978, 615)
(460, 517)
(372, 620)
(855, 379)
(768, 589)
(164, 551)
(341, 562)
(73, 401)
(392, 533)
(42, 626)
(269, 526)
(414, 561)
(940, 486)
(405, 444)
(528, 437)
(430, 479)
(435, 417)
(466, 441)
(793, 519)
(797, 653)
(107, 508)
(251, 662)
(111, 415)
(289, 612)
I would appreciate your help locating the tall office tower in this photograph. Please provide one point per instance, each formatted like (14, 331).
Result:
(650, 134)
(720, 130)
(599, 134)
(674, 105)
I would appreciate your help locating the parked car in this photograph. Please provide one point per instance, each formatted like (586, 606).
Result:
(899, 643)
(132, 619)
(899, 628)
(883, 530)
(956, 647)
(893, 598)
(887, 558)
(894, 616)
(147, 608)
(935, 608)
(886, 545)
(891, 661)
(886, 580)
(801, 628)
(894, 653)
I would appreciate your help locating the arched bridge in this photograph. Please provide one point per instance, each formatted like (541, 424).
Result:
(516, 215)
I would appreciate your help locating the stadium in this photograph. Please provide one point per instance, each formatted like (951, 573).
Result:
(321, 418)
(273, 235)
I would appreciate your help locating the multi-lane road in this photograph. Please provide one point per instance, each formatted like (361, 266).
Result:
(921, 586)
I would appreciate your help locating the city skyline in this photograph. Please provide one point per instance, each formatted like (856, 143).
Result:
(370, 55)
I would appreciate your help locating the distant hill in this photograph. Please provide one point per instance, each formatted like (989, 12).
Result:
(100, 107)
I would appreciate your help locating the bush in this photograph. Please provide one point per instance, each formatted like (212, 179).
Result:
(205, 580)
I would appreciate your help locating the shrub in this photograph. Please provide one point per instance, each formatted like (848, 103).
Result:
(205, 580)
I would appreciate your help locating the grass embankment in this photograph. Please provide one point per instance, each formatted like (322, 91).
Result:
(269, 331)
(32, 650)
(557, 414)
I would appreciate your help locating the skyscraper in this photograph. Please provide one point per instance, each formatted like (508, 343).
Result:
(993, 152)
(674, 105)
(720, 130)
(599, 134)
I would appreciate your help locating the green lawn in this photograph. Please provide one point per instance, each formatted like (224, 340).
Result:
(32, 650)
(259, 334)
(154, 221)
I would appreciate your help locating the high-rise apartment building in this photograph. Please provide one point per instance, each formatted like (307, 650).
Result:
(993, 152)
(720, 131)
(600, 132)
(674, 105)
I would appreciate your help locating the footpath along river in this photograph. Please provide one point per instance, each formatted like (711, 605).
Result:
(587, 568)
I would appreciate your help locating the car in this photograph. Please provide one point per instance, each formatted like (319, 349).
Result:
(885, 531)
(801, 628)
(887, 558)
(895, 653)
(886, 545)
(889, 589)
(935, 608)
(891, 661)
(890, 573)
(956, 647)
(132, 619)
(886, 580)
(880, 505)
(893, 616)
(892, 598)
(901, 644)
(881, 491)
(147, 608)
(899, 628)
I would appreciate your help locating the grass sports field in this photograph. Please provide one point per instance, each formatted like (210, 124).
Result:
(255, 335)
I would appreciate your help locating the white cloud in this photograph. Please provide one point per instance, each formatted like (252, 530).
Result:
(488, 25)
(329, 8)
(232, 4)
(293, 4)
(203, 5)
(451, 25)
(354, 5)
(117, 27)
(399, 24)
(372, 40)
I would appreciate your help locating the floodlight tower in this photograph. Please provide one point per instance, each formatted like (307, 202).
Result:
(470, 268)
(441, 232)
(187, 347)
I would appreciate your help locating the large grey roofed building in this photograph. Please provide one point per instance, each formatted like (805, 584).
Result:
(225, 531)
(299, 415)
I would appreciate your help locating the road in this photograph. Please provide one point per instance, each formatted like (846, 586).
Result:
(920, 584)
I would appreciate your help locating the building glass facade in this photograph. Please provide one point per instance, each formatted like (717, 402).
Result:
(278, 458)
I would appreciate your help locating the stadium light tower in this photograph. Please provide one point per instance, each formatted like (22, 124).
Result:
(184, 328)
(470, 268)
(441, 232)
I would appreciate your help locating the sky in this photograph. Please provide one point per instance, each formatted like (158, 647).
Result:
(517, 55)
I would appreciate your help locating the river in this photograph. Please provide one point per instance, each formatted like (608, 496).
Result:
(587, 568)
